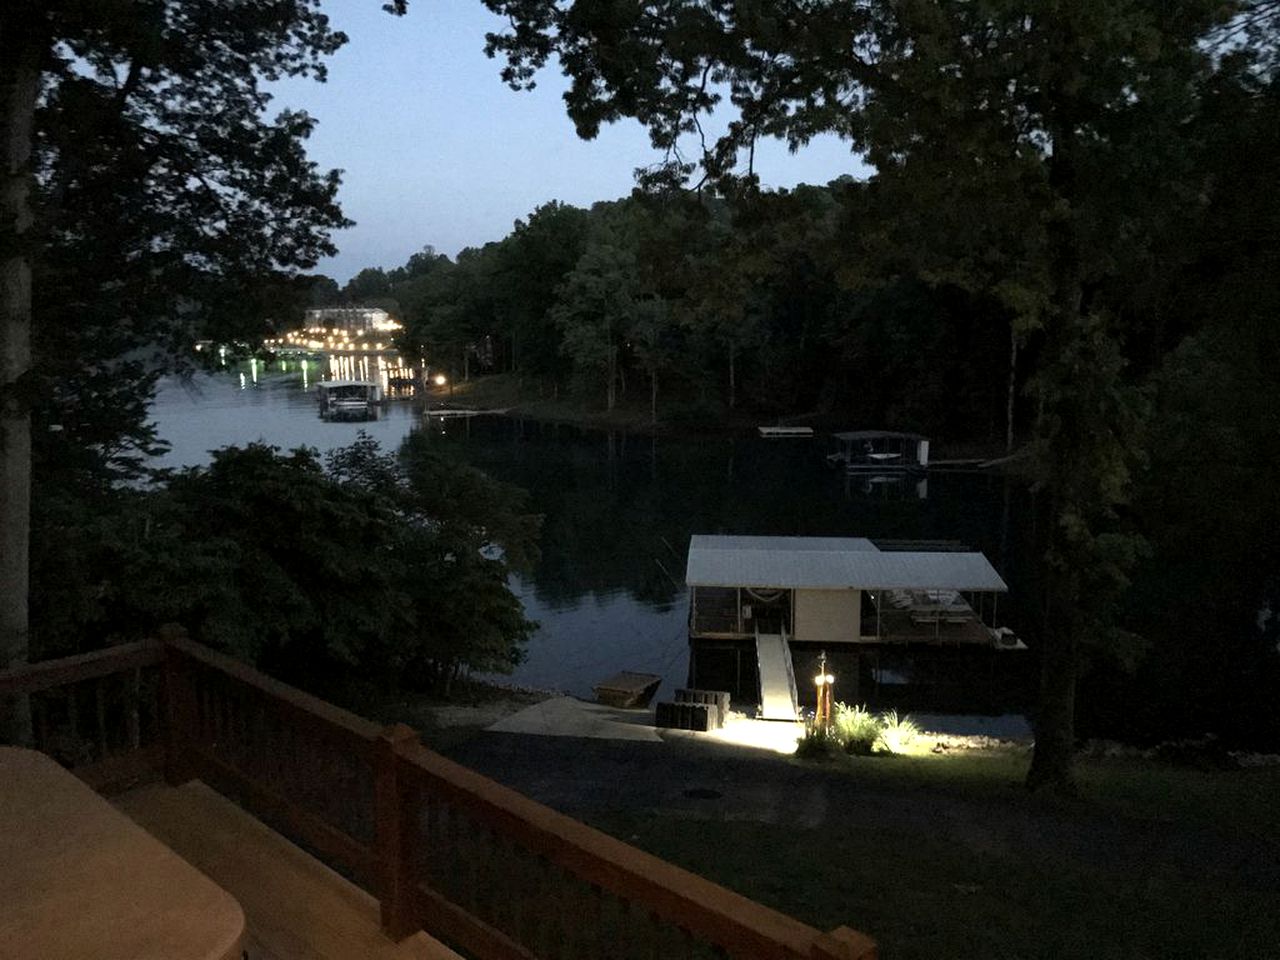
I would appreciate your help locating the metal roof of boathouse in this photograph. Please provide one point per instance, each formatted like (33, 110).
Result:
(831, 563)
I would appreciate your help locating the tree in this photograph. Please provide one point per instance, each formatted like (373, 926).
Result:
(597, 306)
(323, 291)
(531, 265)
(450, 308)
(138, 166)
(1052, 131)
(652, 336)
(371, 283)
(391, 568)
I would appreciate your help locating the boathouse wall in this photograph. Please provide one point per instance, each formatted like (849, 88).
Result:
(827, 616)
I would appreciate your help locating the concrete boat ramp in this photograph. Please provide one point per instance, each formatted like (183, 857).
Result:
(569, 717)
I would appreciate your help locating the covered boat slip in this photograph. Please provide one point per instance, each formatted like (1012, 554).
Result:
(769, 602)
(835, 590)
(879, 450)
(349, 392)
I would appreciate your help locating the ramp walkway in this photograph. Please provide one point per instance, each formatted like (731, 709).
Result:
(777, 677)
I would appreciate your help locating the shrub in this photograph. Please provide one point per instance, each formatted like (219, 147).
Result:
(856, 729)
(818, 743)
(897, 734)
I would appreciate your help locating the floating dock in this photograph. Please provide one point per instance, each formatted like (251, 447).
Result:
(779, 433)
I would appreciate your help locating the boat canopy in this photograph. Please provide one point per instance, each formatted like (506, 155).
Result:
(832, 563)
(341, 384)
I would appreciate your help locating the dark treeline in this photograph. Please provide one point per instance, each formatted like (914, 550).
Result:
(694, 306)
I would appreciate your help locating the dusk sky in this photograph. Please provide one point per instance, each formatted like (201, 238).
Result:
(437, 150)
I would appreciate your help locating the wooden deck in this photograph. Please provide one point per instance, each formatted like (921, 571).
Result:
(445, 850)
(295, 907)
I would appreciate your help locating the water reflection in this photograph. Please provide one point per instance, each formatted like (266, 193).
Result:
(388, 370)
(619, 508)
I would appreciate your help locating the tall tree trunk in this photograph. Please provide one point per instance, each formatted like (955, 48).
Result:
(1059, 423)
(20, 65)
(1013, 385)
(733, 377)
(611, 391)
(1055, 715)
(653, 397)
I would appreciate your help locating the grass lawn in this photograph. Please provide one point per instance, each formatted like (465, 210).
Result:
(1053, 886)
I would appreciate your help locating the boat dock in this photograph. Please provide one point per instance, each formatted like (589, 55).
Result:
(756, 603)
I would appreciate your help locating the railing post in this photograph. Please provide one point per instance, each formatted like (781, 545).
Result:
(177, 710)
(844, 943)
(394, 831)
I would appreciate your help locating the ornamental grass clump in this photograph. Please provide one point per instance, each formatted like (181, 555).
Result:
(897, 734)
(856, 729)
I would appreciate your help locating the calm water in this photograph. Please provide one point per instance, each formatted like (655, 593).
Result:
(619, 510)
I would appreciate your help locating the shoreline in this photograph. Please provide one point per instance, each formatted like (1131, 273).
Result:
(497, 395)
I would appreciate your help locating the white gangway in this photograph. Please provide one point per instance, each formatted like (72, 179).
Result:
(777, 677)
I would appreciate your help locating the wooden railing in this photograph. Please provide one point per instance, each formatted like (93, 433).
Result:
(444, 849)
(98, 712)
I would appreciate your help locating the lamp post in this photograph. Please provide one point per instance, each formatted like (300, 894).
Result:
(824, 682)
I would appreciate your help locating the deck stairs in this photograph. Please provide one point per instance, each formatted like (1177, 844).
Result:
(777, 677)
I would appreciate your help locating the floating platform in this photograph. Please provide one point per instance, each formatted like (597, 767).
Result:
(779, 433)
(453, 412)
(627, 689)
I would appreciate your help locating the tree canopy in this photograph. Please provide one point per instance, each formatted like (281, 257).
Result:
(391, 567)
(148, 199)
(1042, 156)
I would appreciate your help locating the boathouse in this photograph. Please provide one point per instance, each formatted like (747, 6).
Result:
(767, 599)
(879, 450)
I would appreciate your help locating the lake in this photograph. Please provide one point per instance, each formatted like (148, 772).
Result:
(619, 508)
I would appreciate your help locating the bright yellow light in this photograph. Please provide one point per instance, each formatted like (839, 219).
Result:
(760, 734)
(441, 380)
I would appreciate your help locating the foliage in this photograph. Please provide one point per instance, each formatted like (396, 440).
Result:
(170, 206)
(818, 743)
(857, 729)
(897, 734)
(708, 304)
(380, 567)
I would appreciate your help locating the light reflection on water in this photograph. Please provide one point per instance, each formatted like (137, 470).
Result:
(209, 412)
(618, 509)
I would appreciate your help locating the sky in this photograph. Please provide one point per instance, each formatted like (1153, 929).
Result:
(437, 150)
